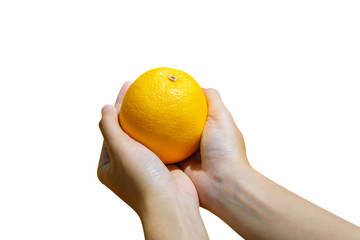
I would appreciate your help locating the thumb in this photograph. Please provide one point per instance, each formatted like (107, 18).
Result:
(109, 126)
(216, 108)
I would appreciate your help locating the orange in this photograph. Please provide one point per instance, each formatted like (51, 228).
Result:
(165, 109)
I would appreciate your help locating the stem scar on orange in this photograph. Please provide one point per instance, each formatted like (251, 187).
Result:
(165, 109)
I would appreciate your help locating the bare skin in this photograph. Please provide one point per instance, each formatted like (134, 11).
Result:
(250, 203)
(159, 194)
(218, 177)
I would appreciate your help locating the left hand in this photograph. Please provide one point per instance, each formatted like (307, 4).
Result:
(135, 173)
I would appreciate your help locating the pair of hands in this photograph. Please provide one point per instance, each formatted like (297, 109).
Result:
(140, 178)
(218, 177)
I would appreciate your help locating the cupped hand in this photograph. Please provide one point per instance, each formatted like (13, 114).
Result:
(135, 173)
(222, 151)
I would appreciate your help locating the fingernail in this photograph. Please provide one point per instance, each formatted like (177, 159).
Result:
(106, 108)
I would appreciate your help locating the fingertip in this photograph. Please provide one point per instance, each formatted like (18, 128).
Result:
(121, 94)
(216, 108)
(125, 87)
(107, 116)
(109, 125)
(106, 108)
(212, 97)
(212, 91)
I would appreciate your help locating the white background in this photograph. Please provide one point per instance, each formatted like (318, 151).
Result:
(289, 72)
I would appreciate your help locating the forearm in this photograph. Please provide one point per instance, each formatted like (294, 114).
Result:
(172, 220)
(258, 208)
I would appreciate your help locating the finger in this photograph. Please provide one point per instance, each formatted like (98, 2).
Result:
(177, 173)
(110, 127)
(121, 95)
(179, 176)
(216, 107)
(172, 167)
(192, 164)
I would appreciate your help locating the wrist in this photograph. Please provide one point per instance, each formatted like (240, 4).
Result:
(171, 218)
(225, 186)
(159, 205)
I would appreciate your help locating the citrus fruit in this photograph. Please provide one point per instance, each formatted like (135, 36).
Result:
(165, 109)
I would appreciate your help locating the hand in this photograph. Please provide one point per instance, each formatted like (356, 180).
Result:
(158, 193)
(247, 201)
(222, 151)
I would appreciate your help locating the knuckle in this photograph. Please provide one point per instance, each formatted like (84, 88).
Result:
(100, 176)
(214, 91)
(103, 121)
(101, 124)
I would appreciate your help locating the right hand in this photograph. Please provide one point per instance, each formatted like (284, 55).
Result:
(251, 204)
(222, 152)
